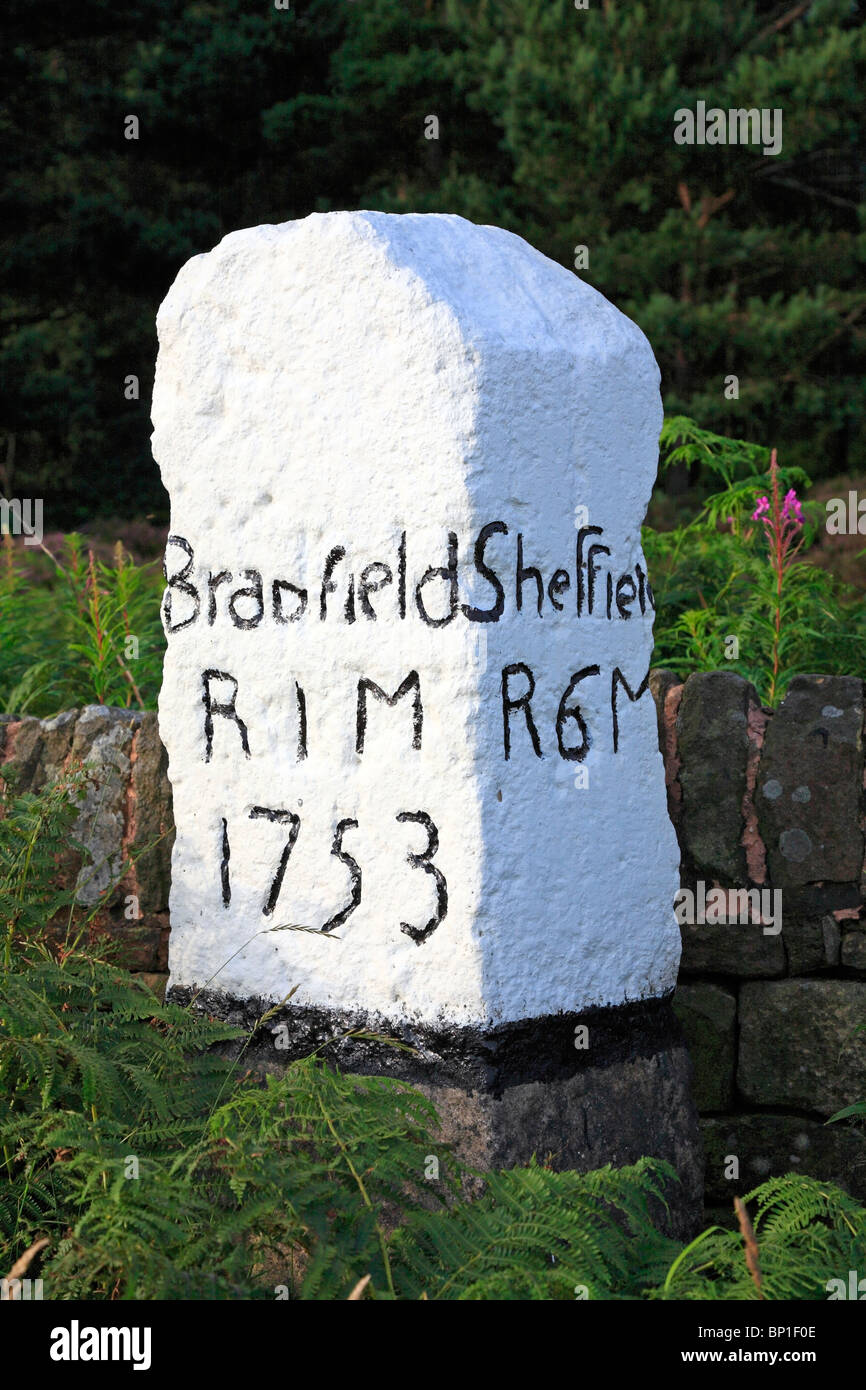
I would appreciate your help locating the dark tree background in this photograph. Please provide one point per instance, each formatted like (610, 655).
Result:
(554, 122)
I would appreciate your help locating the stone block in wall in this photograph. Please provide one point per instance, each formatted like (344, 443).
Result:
(708, 1016)
(819, 899)
(799, 1045)
(853, 951)
(770, 1145)
(102, 743)
(124, 806)
(33, 754)
(810, 783)
(661, 683)
(151, 828)
(140, 946)
(741, 950)
(714, 747)
(35, 750)
(811, 944)
(666, 689)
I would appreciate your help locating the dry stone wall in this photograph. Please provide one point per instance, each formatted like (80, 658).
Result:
(770, 803)
(124, 820)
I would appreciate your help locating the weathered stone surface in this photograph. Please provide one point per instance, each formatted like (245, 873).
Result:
(140, 946)
(741, 950)
(810, 783)
(4, 720)
(771, 1145)
(102, 744)
(811, 944)
(799, 1046)
(661, 683)
(853, 953)
(714, 747)
(755, 850)
(22, 751)
(819, 899)
(325, 388)
(611, 1115)
(35, 751)
(832, 937)
(151, 831)
(519, 1089)
(708, 1015)
(667, 692)
(57, 738)
(124, 804)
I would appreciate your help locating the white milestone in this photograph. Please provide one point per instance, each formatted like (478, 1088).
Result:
(409, 627)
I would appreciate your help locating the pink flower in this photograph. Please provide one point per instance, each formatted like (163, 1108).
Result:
(762, 509)
(792, 511)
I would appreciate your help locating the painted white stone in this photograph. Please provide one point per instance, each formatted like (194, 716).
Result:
(340, 381)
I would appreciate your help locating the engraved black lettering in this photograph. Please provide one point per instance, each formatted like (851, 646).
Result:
(577, 752)
(277, 601)
(591, 572)
(302, 722)
(560, 581)
(225, 881)
(226, 710)
(354, 876)
(487, 615)
(525, 572)
(580, 587)
(521, 702)
(449, 574)
(293, 821)
(626, 592)
(422, 861)
(616, 680)
(371, 585)
(412, 682)
(180, 583)
(213, 583)
(253, 591)
(328, 586)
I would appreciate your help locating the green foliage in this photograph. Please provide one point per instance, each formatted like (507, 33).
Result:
(85, 633)
(807, 1233)
(31, 828)
(536, 1234)
(226, 1174)
(682, 441)
(555, 123)
(156, 1167)
(712, 578)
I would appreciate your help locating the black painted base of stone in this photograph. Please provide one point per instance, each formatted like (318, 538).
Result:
(506, 1093)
